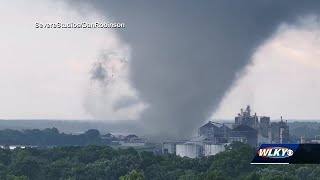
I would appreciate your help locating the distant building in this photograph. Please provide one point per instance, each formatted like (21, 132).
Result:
(245, 134)
(223, 134)
(280, 132)
(199, 147)
(132, 141)
(213, 149)
(213, 137)
(109, 139)
(11, 147)
(191, 150)
(267, 131)
(263, 140)
(169, 147)
(209, 130)
(214, 133)
(264, 126)
(245, 118)
(315, 141)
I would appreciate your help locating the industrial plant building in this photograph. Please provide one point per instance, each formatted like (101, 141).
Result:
(247, 128)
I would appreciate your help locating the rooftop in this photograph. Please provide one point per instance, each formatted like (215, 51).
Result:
(209, 125)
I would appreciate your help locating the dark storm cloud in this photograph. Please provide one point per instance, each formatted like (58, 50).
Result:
(185, 54)
(98, 72)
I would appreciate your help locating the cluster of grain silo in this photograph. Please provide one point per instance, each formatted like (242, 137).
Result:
(213, 149)
(188, 149)
(213, 137)
(198, 147)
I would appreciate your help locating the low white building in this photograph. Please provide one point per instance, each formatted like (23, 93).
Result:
(213, 149)
(189, 149)
(193, 148)
(169, 147)
(11, 147)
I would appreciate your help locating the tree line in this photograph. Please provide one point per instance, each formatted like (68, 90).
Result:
(48, 137)
(103, 162)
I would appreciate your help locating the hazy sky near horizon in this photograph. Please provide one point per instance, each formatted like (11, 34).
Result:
(47, 73)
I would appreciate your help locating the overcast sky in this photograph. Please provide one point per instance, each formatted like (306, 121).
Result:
(177, 61)
(284, 78)
(45, 73)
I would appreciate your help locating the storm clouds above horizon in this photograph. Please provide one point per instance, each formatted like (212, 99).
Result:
(186, 62)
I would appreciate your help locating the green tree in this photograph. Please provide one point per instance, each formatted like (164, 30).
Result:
(133, 175)
(252, 176)
(235, 161)
(190, 175)
(92, 136)
(12, 177)
(217, 175)
(272, 174)
(25, 165)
